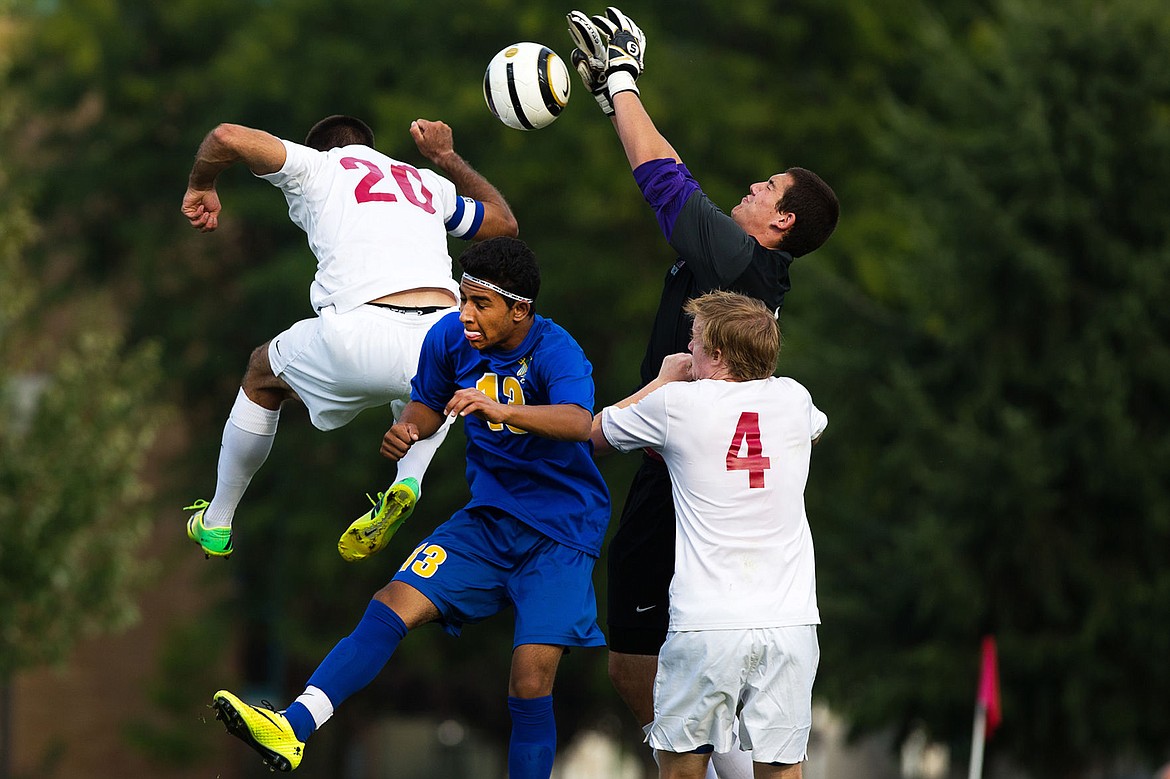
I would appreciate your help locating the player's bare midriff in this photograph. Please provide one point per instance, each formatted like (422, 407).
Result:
(418, 298)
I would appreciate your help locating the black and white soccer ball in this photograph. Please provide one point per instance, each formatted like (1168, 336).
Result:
(526, 86)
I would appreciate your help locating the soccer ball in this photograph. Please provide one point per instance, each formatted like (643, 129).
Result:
(526, 86)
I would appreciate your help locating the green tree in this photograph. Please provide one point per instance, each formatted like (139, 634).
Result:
(137, 87)
(77, 418)
(984, 329)
(78, 414)
(997, 376)
(743, 90)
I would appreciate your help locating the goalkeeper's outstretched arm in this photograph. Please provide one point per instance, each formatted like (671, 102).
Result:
(636, 130)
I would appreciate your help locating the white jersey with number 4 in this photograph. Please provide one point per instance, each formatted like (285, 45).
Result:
(738, 456)
(331, 196)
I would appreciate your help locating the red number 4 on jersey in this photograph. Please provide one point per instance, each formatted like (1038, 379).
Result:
(753, 461)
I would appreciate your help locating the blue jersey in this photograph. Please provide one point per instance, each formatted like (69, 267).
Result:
(552, 486)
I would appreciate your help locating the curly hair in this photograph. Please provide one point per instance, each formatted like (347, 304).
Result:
(506, 262)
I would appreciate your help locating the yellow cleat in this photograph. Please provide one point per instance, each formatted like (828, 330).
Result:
(371, 532)
(264, 729)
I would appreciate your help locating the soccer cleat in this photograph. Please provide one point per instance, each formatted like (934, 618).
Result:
(264, 729)
(371, 532)
(216, 541)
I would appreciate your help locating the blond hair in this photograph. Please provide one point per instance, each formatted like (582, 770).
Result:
(741, 329)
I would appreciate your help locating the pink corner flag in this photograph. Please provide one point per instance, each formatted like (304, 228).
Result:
(989, 685)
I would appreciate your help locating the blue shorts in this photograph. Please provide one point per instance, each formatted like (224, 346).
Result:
(483, 560)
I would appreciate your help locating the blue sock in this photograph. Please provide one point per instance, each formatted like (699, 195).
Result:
(534, 738)
(353, 663)
(301, 720)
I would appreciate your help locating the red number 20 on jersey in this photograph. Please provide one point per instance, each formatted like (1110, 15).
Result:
(406, 177)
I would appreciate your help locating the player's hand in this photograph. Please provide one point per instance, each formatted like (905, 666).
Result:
(434, 139)
(627, 47)
(201, 207)
(676, 367)
(613, 21)
(398, 440)
(471, 401)
(589, 58)
(594, 80)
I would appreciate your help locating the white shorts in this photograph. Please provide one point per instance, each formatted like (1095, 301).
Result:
(342, 364)
(706, 677)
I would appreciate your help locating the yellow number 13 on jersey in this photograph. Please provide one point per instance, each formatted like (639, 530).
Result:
(425, 566)
(511, 391)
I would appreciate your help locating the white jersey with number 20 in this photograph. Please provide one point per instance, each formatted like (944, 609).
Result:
(738, 455)
(331, 196)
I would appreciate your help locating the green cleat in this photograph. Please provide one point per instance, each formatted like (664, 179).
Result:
(264, 729)
(216, 541)
(371, 532)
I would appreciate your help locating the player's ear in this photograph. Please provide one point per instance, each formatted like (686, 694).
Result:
(520, 310)
(784, 220)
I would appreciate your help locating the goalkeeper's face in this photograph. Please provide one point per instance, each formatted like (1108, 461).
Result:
(756, 213)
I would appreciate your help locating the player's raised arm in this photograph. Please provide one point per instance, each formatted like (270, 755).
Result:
(221, 148)
(436, 142)
(636, 130)
(609, 56)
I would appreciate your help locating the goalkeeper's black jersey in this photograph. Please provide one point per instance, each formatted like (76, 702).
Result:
(714, 253)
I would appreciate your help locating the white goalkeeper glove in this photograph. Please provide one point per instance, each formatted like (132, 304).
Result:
(627, 47)
(589, 58)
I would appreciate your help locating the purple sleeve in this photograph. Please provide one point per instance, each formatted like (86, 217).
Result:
(667, 185)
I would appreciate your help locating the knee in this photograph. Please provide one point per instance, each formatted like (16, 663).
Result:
(533, 672)
(259, 370)
(411, 606)
(385, 595)
(261, 384)
(530, 683)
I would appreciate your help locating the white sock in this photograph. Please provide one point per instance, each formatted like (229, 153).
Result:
(735, 764)
(247, 440)
(317, 703)
(418, 458)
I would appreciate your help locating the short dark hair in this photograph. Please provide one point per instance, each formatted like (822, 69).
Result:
(816, 208)
(506, 262)
(339, 130)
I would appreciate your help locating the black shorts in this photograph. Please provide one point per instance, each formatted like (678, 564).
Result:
(641, 564)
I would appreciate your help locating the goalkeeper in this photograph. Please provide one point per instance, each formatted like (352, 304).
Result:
(748, 251)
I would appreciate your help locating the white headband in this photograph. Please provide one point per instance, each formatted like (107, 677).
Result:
(468, 277)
